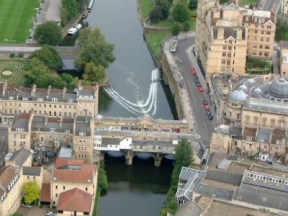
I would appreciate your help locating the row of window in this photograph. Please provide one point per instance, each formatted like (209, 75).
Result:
(268, 178)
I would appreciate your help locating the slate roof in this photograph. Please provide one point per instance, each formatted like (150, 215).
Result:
(214, 192)
(20, 156)
(111, 141)
(75, 200)
(224, 176)
(32, 171)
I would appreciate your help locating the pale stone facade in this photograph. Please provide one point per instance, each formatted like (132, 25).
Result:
(226, 34)
(284, 7)
(284, 58)
(15, 99)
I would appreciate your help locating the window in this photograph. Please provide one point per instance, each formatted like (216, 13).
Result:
(86, 189)
(63, 187)
(54, 99)
(56, 195)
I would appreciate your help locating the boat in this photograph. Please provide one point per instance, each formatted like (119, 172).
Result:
(85, 14)
(74, 29)
(173, 46)
(89, 8)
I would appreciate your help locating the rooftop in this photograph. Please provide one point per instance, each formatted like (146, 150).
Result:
(65, 175)
(75, 200)
(66, 162)
(45, 192)
(32, 171)
(20, 156)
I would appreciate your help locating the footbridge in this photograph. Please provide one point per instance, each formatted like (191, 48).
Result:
(157, 144)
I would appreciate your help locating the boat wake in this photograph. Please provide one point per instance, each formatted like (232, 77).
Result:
(148, 107)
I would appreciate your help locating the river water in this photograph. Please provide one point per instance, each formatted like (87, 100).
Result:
(140, 189)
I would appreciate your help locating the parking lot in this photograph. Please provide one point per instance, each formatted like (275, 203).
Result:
(34, 211)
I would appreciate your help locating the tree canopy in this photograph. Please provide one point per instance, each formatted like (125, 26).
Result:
(31, 192)
(176, 29)
(93, 49)
(70, 8)
(49, 56)
(180, 12)
(281, 30)
(193, 4)
(48, 33)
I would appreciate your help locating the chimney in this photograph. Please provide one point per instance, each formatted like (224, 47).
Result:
(4, 87)
(220, 33)
(33, 90)
(64, 91)
(239, 34)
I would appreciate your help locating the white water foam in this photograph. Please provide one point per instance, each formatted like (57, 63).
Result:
(149, 107)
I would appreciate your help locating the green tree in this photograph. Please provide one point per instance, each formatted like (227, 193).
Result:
(64, 16)
(71, 6)
(281, 29)
(183, 158)
(180, 12)
(186, 27)
(193, 4)
(94, 73)
(165, 8)
(102, 177)
(49, 56)
(94, 48)
(31, 192)
(176, 29)
(48, 33)
(35, 70)
(156, 14)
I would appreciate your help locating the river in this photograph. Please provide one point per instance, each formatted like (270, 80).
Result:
(139, 189)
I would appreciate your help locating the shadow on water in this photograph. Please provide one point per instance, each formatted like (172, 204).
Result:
(141, 176)
(105, 101)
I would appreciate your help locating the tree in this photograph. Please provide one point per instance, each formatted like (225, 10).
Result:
(180, 12)
(48, 33)
(94, 73)
(165, 8)
(49, 56)
(102, 178)
(176, 29)
(71, 6)
(193, 4)
(183, 158)
(94, 48)
(186, 27)
(31, 192)
(281, 29)
(35, 70)
(156, 14)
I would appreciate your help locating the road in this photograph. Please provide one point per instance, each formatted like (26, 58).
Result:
(3, 142)
(205, 127)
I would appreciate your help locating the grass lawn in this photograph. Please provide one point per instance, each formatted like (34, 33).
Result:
(146, 6)
(247, 2)
(16, 18)
(155, 40)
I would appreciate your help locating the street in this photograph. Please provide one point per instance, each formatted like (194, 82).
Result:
(204, 126)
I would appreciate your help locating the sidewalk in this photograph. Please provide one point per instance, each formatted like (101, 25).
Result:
(176, 72)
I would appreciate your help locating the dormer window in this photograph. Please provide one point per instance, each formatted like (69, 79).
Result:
(54, 99)
(278, 142)
(91, 97)
(70, 101)
(40, 99)
(25, 99)
(82, 133)
(11, 98)
(52, 129)
(19, 129)
(248, 138)
(67, 131)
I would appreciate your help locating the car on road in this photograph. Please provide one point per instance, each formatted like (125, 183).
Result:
(196, 78)
(208, 112)
(26, 205)
(205, 103)
(200, 88)
(210, 117)
(193, 71)
(198, 84)
(50, 213)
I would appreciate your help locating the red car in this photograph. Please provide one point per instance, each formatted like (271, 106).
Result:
(205, 104)
(200, 89)
(193, 71)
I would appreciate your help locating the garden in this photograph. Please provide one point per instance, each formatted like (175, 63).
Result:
(12, 71)
(257, 66)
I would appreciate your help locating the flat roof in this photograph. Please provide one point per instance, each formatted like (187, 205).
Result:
(225, 209)
(238, 167)
(269, 171)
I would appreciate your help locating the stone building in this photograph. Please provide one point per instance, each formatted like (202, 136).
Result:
(15, 99)
(73, 187)
(226, 34)
(283, 58)
(257, 110)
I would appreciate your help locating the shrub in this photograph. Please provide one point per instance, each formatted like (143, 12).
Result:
(20, 55)
(12, 55)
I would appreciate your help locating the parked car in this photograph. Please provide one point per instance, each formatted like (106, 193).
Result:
(205, 103)
(193, 71)
(198, 84)
(210, 117)
(26, 205)
(196, 78)
(200, 89)
(208, 112)
(50, 213)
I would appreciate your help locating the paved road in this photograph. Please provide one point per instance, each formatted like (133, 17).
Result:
(205, 127)
(3, 143)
